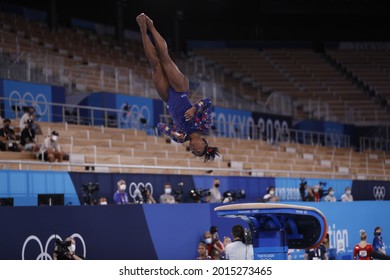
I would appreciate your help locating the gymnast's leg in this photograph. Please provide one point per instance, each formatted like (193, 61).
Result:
(158, 76)
(176, 79)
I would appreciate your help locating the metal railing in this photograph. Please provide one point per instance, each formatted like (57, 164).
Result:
(126, 118)
(182, 170)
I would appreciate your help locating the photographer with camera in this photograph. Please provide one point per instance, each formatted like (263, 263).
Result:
(66, 250)
(120, 196)
(241, 247)
(8, 141)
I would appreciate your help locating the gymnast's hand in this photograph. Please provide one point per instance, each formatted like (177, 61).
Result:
(177, 135)
(189, 114)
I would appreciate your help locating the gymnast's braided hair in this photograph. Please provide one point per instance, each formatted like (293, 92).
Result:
(210, 152)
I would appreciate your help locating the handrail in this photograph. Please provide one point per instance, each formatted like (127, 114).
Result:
(134, 120)
(242, 172)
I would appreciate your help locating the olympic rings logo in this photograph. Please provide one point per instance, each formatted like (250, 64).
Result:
(44, 255)
(132, 114)
(379, 192)
(39, 102)
(135, 192)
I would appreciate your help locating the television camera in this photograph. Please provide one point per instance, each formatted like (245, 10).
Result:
(62, 248)
(231, 195)
(197, 194)
(178, 192)
(88, 190)
(141, 196)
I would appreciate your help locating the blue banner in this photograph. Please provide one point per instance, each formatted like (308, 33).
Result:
(371, 190)
(24, 94)
(161, 231)
(136, 112)
(27, 94)
(287, 189)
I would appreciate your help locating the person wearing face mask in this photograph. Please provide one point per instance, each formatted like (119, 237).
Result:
(318, 193)
(215, 194)
(121, 196)
(379, 246)
(70, 253)
(270, 195)
(347, 196)
(167, 197)
(330, 196)
(50, 149)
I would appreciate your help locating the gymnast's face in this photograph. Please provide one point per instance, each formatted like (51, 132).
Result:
(197, 146)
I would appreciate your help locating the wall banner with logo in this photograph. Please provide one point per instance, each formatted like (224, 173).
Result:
(371, 190)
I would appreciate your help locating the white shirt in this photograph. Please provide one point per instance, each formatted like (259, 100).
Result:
(347, 197)
(330, 198)
(215, 195)
(23, 120)
(239, 251)
(47, 143)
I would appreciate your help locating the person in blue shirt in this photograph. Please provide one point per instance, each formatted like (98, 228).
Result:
(120, 196)
(191, 122)
(379, 245)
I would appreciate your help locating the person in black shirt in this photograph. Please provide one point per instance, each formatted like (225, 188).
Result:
(27, 137)
(8, 140)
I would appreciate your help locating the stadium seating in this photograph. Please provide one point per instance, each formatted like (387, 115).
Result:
(132, 151)
(87, 62)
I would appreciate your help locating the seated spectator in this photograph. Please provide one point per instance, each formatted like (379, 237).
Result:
(120, 196)
(8, 139)
(30, 115)
(102, 200)
(330, 196)
(166, 197)
(347, 196)
(149, 197)
(270, 195)
(50, 149)
(27, 137)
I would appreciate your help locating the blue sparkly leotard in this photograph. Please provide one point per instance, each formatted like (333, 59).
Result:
(178, 103)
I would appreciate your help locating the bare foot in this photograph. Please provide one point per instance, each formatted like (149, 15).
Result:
(149, 23)
(141, 20)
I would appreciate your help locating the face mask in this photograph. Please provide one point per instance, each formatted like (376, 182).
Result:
(348, 192)
(6, 126)
(168, 191)
(208, 240)
(55, 138)
(216, 185)
(331, 193)
(72, 248)
(315, 190)
(378, 233)
(103, 203)
(271, 192)
(122, 187)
